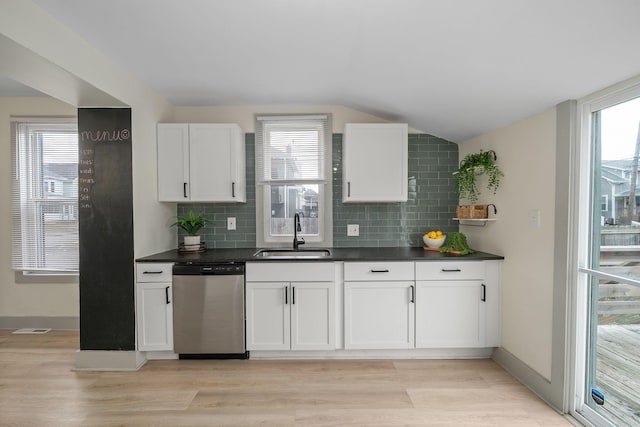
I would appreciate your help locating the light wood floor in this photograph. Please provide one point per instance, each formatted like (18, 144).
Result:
(618, 373)
(38, 387)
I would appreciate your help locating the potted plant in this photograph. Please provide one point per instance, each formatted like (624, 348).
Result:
(191, 224)
(473, 165)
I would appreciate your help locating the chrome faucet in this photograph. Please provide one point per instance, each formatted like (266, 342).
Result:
(296, 229)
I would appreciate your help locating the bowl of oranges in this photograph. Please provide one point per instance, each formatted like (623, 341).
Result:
(434, 239)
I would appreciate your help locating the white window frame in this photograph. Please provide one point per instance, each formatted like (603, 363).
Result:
(22, 232)
(324, 238)
(580, 243)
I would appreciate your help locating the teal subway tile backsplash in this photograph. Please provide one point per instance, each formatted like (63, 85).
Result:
(431, 204)
(215, 234)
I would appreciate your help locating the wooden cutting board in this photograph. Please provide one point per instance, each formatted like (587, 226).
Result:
(438, 250)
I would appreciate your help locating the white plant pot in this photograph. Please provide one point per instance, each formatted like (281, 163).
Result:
(192, 243)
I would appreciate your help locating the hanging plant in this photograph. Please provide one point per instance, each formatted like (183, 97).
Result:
(473, 165)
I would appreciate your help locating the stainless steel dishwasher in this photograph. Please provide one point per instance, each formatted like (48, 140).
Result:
(208, 311)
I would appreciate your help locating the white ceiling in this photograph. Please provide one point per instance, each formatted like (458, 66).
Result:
(452, 68)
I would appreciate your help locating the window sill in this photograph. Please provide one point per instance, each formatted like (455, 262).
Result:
(54, 278)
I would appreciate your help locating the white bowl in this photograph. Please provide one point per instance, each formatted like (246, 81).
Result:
(433, 243)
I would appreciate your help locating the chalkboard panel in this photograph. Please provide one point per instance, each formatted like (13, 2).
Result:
(105, 202)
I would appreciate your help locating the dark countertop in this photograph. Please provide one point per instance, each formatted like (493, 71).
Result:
(337, 254)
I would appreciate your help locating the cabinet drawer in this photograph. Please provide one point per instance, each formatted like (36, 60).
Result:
(383, 270)
(290, 272)
(154, 272)
(455, 270)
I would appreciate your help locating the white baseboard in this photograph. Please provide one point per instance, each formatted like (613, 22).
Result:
(107, 360)
(50, 322)
(526, 375)
(160, 355)
(445, 353)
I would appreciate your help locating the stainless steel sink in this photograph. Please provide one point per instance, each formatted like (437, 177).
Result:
(292, 253)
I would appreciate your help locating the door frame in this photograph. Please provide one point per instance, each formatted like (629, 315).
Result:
(580, 243)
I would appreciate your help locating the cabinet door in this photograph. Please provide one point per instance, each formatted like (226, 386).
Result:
(173, 162)
(375, 162)
(268, 316)
(379, 315)
(312, 316)
(216, 172)
(154, 316)
(449, 314)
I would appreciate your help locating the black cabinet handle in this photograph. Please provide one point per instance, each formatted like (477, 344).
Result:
(286, 295)
(379, 270)
(348, 189)
(184, 189)
(233, 189)
(293, 295)
(152, 272)
(166, 295)
(484, 293)
(452, 270)
(413, 294)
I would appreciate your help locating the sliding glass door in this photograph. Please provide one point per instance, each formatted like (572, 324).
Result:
(608, 321)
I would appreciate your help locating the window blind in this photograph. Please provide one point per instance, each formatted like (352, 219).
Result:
(291, 149)
(45, 196)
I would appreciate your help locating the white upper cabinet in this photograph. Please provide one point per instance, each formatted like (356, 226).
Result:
(375, 162)
(173, 162)
(202, 162)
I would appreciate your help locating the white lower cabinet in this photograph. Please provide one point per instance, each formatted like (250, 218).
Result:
(268, 316)
(422, 305)
(457, 304)
(291, 314)
(378, 315)
(449, 314)
(387, 305)
(379, 305)
(312, 316)
(154, 308)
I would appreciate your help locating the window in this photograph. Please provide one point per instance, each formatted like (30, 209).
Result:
(45, 196)
(293, 176)
(604, 203)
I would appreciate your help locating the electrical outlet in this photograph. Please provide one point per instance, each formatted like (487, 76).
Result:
(353, 230)
(534, 218)
(231, 223)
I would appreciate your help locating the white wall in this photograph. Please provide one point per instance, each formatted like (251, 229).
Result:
(526, 154)
(85, 77)
(55, 45)
(245, 115)
(27, 299)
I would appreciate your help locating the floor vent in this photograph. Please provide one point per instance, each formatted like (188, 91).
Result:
(32, 331)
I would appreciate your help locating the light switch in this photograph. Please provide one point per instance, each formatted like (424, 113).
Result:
(231, 223)
(353, 230)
